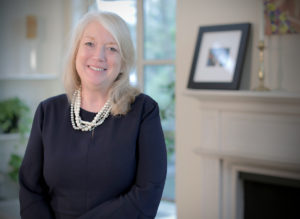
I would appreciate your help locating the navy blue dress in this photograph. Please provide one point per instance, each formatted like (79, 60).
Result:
(117, 171)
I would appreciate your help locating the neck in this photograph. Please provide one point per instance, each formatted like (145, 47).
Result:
(93, 100)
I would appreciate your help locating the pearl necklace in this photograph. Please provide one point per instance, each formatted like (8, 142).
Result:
(78, 123)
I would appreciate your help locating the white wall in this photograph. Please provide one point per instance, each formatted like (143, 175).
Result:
(282, 61)
(15, 54)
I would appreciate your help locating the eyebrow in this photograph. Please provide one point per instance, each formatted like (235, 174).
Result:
(92, 38)
(109, 43)
(112, 43)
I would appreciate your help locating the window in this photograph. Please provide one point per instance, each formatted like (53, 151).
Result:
(152, 25)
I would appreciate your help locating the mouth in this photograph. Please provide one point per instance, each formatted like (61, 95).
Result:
(96, 69)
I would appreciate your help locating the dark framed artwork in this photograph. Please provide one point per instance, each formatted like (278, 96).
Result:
(219, 56)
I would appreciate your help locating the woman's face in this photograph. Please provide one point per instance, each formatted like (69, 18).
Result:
(98, 60)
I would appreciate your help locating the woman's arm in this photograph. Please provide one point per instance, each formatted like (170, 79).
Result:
(33, 189)
(144, 197)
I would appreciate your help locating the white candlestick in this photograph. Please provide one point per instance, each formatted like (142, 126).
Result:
(262, 22)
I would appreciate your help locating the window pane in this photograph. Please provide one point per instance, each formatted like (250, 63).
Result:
(159, 81)
(159, 84)
(159, 29)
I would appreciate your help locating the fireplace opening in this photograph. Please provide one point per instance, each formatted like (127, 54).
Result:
(270, 197)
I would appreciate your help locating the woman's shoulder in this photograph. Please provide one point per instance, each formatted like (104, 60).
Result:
(55, 105)
(60, 100)
(144, 104)
(145, 100)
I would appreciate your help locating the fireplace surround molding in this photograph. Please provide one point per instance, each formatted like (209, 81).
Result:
(244, 131)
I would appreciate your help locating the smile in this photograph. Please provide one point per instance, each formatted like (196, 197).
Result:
(96, 69)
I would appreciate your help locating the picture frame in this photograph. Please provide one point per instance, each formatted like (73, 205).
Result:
(219, 56)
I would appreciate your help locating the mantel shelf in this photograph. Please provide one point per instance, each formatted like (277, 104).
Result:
(248, 158)
(245, 96)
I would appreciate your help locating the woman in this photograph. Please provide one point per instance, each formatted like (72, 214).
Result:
(99, 151)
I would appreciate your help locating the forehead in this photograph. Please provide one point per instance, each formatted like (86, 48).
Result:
(97, 31)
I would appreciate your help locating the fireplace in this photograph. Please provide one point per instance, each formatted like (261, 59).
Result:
(269, 196)
(248, 141)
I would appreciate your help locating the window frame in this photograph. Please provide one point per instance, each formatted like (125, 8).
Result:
(141, 62)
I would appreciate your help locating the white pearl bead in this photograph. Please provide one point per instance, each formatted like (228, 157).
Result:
(99, 118)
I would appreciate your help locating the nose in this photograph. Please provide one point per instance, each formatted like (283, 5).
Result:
(101, 53)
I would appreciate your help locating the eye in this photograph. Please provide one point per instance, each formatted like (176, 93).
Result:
(112, 49)
(90, 44)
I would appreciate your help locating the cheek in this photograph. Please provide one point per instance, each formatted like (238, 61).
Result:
(81, 56)
(83, 53)
(80, 59)
(117, 63)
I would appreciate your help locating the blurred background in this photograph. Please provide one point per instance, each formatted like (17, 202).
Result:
(222, 145)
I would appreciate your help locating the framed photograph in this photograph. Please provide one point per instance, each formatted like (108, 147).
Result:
(219, 56)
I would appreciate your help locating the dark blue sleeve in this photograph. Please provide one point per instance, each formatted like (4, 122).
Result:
(33, 189)
(143, 199)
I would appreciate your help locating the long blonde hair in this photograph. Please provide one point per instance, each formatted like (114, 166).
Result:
(122, 94)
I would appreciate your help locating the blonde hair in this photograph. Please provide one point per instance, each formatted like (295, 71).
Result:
(122, 94)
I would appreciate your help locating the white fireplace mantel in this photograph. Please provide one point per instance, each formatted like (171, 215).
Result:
(245, 96)
(257, 132)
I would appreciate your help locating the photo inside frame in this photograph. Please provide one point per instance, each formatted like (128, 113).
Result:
(217, 56)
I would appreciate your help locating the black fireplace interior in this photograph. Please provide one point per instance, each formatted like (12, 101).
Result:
(270, 197)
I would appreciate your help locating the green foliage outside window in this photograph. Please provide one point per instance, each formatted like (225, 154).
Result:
(160, 85)
(168, 113)
(159, 29)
